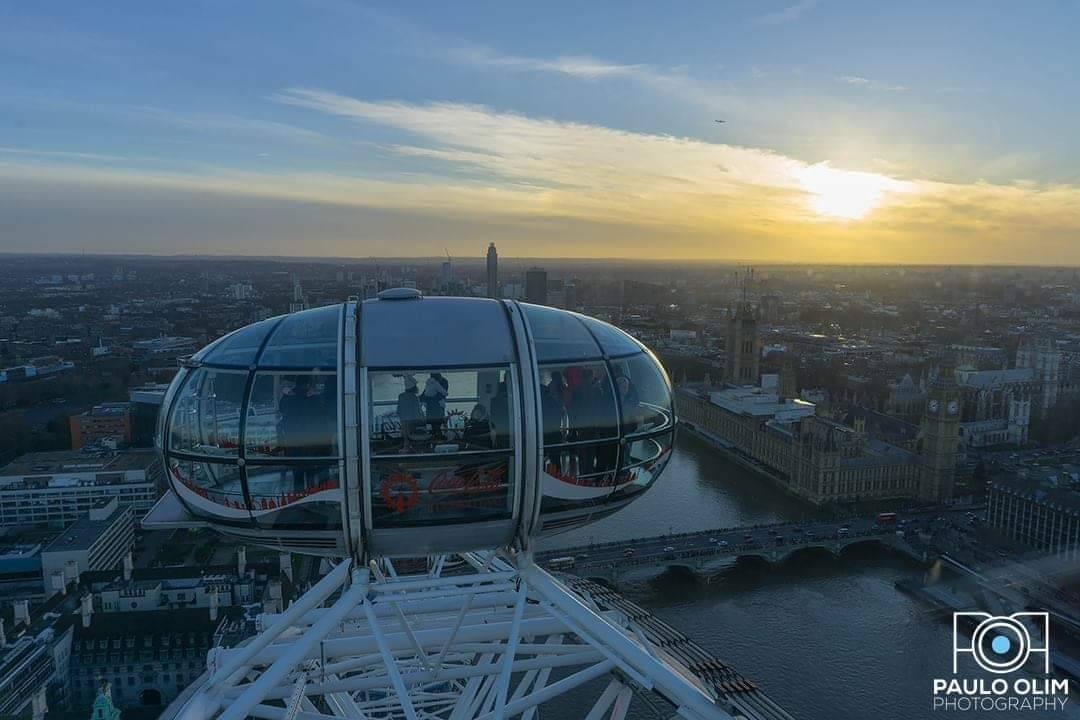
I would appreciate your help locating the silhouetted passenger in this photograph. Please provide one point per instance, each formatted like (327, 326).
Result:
(559, 389)
(307, 426)
(408, 409)
(591, 414)
(297, 410)
(553, 413)
(434, 401)
(630, 404)
(500, 417)
(478, 427)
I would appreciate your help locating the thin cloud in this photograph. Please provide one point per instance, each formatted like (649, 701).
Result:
(863, 82)
(215, 123)
(788, 14)
(60, 154)
(579, 66)
(556, 180)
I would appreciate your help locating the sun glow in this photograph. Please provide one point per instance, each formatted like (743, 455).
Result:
(844, 193)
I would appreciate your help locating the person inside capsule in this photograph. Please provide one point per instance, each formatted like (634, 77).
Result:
(447, 455)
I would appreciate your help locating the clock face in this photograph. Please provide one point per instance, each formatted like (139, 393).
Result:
(932, 406)
(952, 407)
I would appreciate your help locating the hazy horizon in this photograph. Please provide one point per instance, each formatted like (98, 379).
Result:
(481, 259)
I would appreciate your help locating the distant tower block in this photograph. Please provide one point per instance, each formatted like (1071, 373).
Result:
(492, 272)
(788, 376)
(536, 286)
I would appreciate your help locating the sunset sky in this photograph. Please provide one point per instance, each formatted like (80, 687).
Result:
(925, 132)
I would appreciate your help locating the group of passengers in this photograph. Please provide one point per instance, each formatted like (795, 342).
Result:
(424, 420)
(577, 406)
(307, 424)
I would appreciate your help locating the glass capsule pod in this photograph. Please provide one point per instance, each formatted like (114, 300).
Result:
(405, 426)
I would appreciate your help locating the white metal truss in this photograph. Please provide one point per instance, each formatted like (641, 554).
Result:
(499, 640)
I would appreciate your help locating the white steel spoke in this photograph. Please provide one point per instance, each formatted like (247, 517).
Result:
(479, 643)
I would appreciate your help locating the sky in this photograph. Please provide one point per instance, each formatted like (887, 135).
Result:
(916, 132)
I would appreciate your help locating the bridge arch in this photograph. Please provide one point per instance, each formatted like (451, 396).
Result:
(786, 554)
(860, 542)
(150, 697)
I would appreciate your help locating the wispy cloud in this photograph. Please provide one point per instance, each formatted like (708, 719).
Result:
(583, 189)
(62, 154)
(789, 14)
(214, 122)
(574, 65)
(864, 82)
(672, 82)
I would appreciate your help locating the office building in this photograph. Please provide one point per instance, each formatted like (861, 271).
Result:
(107, 421)
(1041, 511)
(99, 541)
(536, 286)
(145, 403)
(57, 488)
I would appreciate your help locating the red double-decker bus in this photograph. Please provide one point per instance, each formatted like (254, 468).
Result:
(885, 519)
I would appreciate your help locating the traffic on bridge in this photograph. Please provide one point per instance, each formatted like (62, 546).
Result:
(768, 541)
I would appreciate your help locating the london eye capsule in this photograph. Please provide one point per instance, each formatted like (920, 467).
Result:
(405, 426)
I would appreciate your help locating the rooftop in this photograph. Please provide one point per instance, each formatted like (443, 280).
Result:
(110, 409)
(153, 624)
(55, 462)
(85, 531)
(1055, 491)
(989, 378)
(757, 402)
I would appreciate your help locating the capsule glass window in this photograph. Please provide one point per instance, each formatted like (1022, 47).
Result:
(292, 415)
(305, 340)
(214, 490)
(644, 394)
(205, 418)
(441, 411)
(300, 495)
(442, 444)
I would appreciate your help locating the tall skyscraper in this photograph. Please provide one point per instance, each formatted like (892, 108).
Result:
(492, 271)
(536, 286)
(298, 302)
(446, 276)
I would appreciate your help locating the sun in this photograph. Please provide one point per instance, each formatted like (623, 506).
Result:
(844, 194)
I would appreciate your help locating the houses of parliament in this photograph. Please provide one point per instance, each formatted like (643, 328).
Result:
(854, 454)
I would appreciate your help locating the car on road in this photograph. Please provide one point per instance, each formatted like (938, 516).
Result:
(669, 548)
(628, 552)
(722, 543)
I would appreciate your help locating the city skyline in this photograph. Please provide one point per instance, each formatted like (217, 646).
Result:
(852, 134)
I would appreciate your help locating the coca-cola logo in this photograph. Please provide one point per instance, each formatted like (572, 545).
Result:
(476, 480)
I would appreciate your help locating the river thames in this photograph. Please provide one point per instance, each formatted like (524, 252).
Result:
(827, 638)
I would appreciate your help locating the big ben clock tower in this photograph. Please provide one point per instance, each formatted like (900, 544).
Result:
(940, 437)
